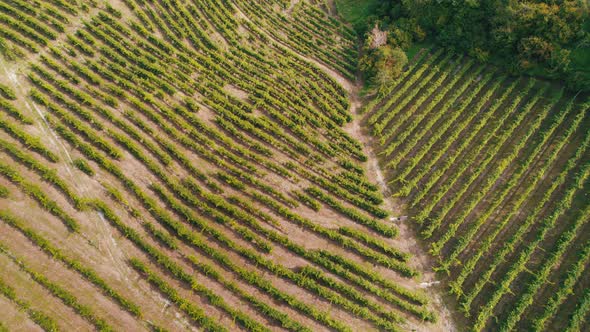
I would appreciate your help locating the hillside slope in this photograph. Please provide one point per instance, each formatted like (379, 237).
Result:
(494, 172)
(182, 165)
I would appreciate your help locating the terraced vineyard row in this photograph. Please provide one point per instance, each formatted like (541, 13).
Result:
(494, 170)
(176, 163)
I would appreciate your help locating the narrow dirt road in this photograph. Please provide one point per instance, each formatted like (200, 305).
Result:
(406, 240)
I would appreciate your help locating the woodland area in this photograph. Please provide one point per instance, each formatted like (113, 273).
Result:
(549, 39)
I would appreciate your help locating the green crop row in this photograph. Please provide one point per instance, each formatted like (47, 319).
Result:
(411, 138)
(492, 176)
(15, 113)
(388, 231)
(499, 140)
(267, 234)
(36, 193)
(17, 39)
(541, 278)
(44, 321)
(464, 143)
(532, 182)
(7, 92)
(56, 290)
(578, 317)
(374, 243)
(420, 110)
(544, 226)
(385, 110)
(467, 268)
(192, 239)
(565, 289)
(457, 130)
(33, 143)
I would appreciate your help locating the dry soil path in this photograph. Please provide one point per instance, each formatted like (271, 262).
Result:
(406, 240)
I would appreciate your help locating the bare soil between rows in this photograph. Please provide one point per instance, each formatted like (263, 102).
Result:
(407, 238)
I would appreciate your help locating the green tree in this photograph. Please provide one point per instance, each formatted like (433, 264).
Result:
(384, 64)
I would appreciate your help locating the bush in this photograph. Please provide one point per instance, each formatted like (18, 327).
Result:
(384, 64)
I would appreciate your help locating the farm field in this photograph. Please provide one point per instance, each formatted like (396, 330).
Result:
(193, 165)
(494, 173)
(172, 165)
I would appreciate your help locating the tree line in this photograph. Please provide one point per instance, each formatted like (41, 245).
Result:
(549, 38)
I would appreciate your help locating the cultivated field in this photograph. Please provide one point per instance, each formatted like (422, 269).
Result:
(494, 171)
(183, 164)
(209, 165)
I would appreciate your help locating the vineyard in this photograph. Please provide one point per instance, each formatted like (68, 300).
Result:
(171, 165)
(187, 164)
(494, 172)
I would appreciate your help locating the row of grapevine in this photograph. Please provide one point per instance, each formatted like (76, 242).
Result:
(493, 169)
(209, 186)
